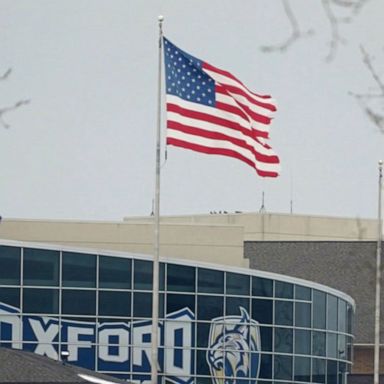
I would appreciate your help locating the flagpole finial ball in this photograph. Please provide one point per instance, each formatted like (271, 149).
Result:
(380, 163)
(161, 18)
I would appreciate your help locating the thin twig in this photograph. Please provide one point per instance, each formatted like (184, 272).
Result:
(6, 74)
(296, 34)
(365, 100)
(5, 110)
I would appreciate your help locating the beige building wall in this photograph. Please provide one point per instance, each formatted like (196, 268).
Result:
(285, 227)
(210, 243)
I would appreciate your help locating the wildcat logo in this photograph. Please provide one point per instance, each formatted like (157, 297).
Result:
(233, 352)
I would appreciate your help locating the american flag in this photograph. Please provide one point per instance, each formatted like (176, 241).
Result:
(209, 110)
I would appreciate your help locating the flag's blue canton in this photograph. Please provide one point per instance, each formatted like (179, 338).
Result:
(185, 78)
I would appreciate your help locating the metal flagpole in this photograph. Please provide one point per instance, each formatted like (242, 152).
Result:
(378, 276)
(155, 285)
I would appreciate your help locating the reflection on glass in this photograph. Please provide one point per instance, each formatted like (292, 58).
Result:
(302, 369)
(114, 303)
(283, 340)
(233, 304)
(284, 290)
(318, 343)
(342, 316)
(10, 296)
(114, 272)
(142, 274)
(319, 301)
(237, 284)
(302, 293)
(10, 265)
(262, 310)
(180, 278)
(331, 372)
(262, 287)
(302, 342)
(266, 338)
(176, 302)
(265, 367)
(40, 300)
(303, 314)
(341, 347)
(283, 367)
(209, 307)
(79, 270)
(332, 345)
(332, 313)
(78, 302)
(142, 304)
(283, 312)
(318, 370)
(210, 281)
(349, 318)
(41, 267)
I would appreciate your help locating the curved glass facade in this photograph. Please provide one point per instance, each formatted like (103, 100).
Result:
(243, 325)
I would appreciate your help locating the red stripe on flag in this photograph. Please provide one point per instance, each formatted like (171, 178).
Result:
(272, 159)
(218, 151)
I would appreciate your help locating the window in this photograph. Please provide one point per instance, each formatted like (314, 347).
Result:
(237, 284)
(262, 310)
(79, 270)
(283, 312)
(142, 304)
(302, 293)
(284, 290)
(283, 340)
(342, 316)
(332, 345)
(302, 342)
(318, 346)
(318, 370)
(10, 296)
(319, 309)
(114, 303)
(9, 265)
(114, 272)
(302, 369)
(302, 314)
(180, 278)
(37, 300)
(283, 367)
(41, 267)
(332, 313)
(143, 274)
(78, 302)
(210, 281)
(177, 302)
(262, 287)
(209, 307)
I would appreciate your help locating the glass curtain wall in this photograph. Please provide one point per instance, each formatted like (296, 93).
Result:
(214, 323)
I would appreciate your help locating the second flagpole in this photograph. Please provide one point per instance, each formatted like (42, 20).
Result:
(156, 248)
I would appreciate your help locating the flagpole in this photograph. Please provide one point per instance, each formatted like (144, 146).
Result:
(155, 284)
(376, 369)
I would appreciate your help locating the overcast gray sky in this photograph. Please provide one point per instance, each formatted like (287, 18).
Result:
(85, 146)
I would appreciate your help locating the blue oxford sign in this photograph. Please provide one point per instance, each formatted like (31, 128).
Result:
(233, 353)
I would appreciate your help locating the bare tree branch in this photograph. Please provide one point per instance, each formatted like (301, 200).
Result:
(365, 100)
(368, 63)
(6, 74)
(296, 33)
(336, 38)
(352, 6)
(5, 110)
